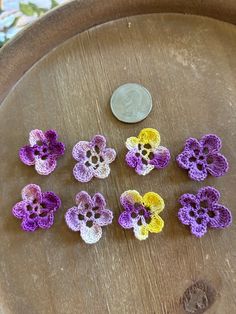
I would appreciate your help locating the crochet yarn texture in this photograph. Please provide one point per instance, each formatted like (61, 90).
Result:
(37, 208)
(203, 157)
(203, 210)
(145, 152)
(141, 213)
(93, 159)
(89, 216)
(43, 151)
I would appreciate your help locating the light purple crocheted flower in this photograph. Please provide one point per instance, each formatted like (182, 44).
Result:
(203, 157)
(43, 151)
(37, 208)
(145, 152)
(89, 216)
(203, 210)
(93, 159)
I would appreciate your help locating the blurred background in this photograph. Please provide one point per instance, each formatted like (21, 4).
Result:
(16, 14)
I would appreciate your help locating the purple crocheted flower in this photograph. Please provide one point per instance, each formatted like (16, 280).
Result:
(37, 208)
(145, 152)
(93, 159)
(203, 157)
(203, 210)
(89, 216)
(43, 151)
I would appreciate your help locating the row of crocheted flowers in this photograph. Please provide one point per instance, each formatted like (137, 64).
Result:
(90, 214)
(199, 158)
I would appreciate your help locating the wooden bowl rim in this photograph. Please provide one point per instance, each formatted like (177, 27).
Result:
(74, 17)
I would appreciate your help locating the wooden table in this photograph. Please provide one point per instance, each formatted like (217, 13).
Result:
(188, 64)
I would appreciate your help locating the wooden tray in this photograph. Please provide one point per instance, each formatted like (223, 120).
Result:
(188, 64)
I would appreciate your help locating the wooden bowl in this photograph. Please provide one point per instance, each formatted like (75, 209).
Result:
(60, 73)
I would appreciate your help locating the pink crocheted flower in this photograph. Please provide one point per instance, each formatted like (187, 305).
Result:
(89, 216)
(203, 157)
(43, 151)
(203, 210)
(37, 208)
(93, 159)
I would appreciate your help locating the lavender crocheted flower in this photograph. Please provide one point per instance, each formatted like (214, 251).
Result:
(43, 151)
(37, 208)
(203, 157)
(145, 153)
(89, 216)
(93, 159)
(203, 210)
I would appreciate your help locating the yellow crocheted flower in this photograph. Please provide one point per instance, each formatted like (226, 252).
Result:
(141, 213)
(145, 152)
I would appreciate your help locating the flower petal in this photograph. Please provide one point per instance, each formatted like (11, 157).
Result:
(26, 155)
(99, 141)
(188, 199)
(91, 235)
(198, 229)
(51, 135)
(72, 220)
(83, 173)
(209, 194)
(32, 192)
(80, 149)
(211, 142)
(29, 226)
(125, 220)
(109, 155)
(141, 232)
(105, 217)
(132, 143)
(36, 136)
(183, 160)
(153, 201)
(221, 217)
(84, 200)
(18, 209)
(156, 225)
(99, 201)
(129, 198)
(102, 171)
(161, 158)
(197, 174)
(192, 144)
(131, 159)
(50, 201)
(184, 217)
(150, 136)
(46, 222)
(45, 166)
(57, 149)
(143, 169)
(218, 166)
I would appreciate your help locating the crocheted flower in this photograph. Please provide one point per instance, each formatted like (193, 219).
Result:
(203, 210)
(89, 216)
(43, 151)
(141, 213)
(93, 159)
(145, 153)
(203, 157)
(37, 208)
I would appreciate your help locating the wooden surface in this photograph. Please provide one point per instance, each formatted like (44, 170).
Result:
(188, 64)
(79, 15)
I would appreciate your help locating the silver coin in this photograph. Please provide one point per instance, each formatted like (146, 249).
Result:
(131, 103)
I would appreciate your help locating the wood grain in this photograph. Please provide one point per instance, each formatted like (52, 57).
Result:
(78, 15)
(188, 64)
